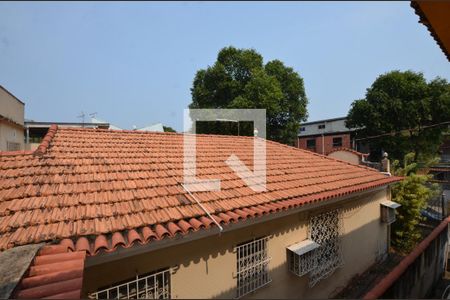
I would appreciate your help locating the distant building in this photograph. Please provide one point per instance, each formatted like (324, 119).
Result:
(36, 131)
(11, 121)
(158, 127)
(324, 136)
(111, 126)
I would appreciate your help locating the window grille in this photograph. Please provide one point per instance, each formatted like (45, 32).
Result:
(150, 286)
(325, 230)
(11, 146)
(252, 266)
(302, 257)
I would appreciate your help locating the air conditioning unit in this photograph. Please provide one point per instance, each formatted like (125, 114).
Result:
(302, 257)
(388, 211)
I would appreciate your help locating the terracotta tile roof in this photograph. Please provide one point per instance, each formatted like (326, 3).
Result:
(349, 150)
(55, 273)
(98, 190)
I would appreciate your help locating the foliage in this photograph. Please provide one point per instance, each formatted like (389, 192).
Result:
(404, 103)
(168, 129)
(239, 79)
(412, 193)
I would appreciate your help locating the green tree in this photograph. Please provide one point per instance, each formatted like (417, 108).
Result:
(168, 129)
(412, 193)
(239, 79)
(404, 104)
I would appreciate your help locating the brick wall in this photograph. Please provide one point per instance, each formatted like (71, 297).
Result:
(328, 142)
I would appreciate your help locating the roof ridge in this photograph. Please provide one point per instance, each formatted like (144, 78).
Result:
(46, 141)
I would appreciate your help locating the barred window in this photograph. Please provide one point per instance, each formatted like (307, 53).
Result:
(12, 146)
(154, 285)
(252, 266)
(325, 230)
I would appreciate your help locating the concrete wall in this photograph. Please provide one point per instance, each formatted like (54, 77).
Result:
(11, 112)
(206, 268)
(330, 126)
(347, 156)
(327, 141)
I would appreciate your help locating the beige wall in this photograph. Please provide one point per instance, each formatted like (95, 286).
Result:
(11, 109)
(345, 156)
(206, 268)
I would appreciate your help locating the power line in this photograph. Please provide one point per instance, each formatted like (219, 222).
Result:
(403, 130)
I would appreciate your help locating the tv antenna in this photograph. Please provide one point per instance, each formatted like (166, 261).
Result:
(81, 116)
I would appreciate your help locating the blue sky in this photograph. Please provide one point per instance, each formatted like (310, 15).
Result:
(133, 63)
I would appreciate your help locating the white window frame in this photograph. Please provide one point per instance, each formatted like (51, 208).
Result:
(252, 266)
(156, 285)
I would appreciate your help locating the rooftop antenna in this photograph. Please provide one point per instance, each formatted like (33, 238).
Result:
(92, 115)
(81, 116)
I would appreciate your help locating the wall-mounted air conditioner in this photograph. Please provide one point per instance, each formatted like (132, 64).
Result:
(302, 257)
(388, 211)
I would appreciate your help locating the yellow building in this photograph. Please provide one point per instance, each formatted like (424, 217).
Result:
(11, 121)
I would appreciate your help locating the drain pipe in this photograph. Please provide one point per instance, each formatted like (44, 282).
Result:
(202, 207)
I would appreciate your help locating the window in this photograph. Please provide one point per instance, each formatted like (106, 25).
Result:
(325, 231)
(337, 142)
(302, 128)
(311, 144)
(321, 126)
(11, 146)
(302, 257)
(252, 266)
(154, 285)
(388, 211)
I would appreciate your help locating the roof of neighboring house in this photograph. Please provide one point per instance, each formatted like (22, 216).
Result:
(349, 150)
(324, 120)
(98, 189)
(435, 15)
(38, 124)
(55, 273)
(14, 263)
(158, 127)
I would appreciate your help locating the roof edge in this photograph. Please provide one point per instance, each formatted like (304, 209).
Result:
(11, 94)
(348, 150)
(424, 20)
(46, 141)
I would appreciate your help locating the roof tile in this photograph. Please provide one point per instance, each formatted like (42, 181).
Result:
(101, 189)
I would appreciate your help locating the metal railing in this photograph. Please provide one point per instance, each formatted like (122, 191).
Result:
(152, 286)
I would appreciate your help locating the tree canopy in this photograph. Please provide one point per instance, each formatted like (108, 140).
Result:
(406, 105)
(168, 129)
(240, 79)
(413, 194)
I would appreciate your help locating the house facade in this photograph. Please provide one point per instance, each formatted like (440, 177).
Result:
(115, 219)
(324, 136)
(252, 261)
(11, 121)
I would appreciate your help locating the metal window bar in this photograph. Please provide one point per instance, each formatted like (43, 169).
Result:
(325, 229)
(252, 266)
(139, 288)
